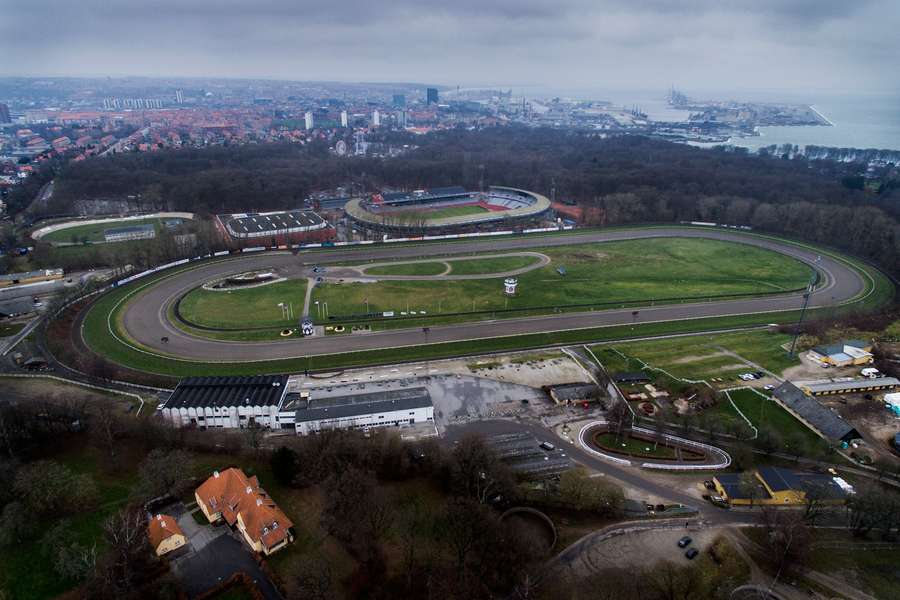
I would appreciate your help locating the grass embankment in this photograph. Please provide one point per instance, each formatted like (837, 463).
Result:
(95, 232)
(251, 307)
(602, 273)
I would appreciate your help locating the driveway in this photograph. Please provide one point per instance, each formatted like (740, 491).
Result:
(217, 561)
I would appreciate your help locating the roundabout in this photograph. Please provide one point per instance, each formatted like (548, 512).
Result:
(133, 319)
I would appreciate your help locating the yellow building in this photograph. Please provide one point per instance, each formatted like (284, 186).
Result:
(780, 487)
(843, 354)
(165, 534)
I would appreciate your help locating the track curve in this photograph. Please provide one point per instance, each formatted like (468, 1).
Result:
(145, 319)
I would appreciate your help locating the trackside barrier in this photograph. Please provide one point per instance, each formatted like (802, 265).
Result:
(706, 448)
(606, 457)
(712, 450)
(255, 249)
(221, 253)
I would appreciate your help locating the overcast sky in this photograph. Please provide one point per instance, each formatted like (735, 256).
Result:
(794, 45)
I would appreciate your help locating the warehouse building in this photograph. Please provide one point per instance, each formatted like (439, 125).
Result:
(849, 386)
(359, 411)
(824, 422)
(226, 402)
(843, 354)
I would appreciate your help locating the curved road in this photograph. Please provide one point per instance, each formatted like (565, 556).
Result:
(145, 316)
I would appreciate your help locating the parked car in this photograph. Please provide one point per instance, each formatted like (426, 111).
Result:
(692, 553)
(709, 485)
(768, 387)
(685, 542)
(746, 376)
(548, 446)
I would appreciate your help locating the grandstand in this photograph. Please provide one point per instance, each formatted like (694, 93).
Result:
(444, 209)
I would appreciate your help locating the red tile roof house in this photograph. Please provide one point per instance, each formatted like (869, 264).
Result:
(242, 503)
(165, 534)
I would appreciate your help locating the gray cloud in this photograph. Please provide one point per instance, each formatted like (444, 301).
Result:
(713, 44)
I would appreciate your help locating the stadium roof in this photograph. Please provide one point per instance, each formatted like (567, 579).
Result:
(357, 405)
(444, 192)
(265, 390)
(537, 205)
(826, 421)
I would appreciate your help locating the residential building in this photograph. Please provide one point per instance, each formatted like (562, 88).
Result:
(777, 486)
(376, 119)
(359, 411)
(344, 119)
(240, 501)
(826, 423)
(843, 354)
(308, 120)
(165, 534)
(227, 402)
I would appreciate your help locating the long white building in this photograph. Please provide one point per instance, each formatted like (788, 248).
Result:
(264, 401)
(389, 408)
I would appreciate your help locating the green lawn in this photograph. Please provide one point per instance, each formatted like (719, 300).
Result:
(252, 307)
(417, 269)
(873, 571)
(629, 445)
(96, 232)
(769, 414)
(10, 329)
(97, 334)
(612, 272)
(703, 357)
(500, 264)
(440, 213)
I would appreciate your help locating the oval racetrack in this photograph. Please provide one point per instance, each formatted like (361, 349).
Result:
(145, 319)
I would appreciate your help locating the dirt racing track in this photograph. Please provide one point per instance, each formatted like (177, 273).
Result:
(144, 320)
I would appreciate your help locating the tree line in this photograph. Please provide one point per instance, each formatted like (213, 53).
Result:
(619, 180)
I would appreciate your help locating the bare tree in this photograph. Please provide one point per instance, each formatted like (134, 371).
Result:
(476, 471)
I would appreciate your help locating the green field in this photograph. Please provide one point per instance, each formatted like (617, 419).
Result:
(704, 356)
(419, 269)
(439, 213)
(95, 232)
(483, 266)
(631, 446)
(253, 307)
(475, 266)
(768, 414)
(638, 270)
(103, 333)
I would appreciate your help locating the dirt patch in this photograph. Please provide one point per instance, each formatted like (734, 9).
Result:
(695, 357)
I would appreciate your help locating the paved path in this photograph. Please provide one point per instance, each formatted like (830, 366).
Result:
(146, 321)
(542, 260)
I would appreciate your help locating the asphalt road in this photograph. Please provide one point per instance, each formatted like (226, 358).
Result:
(145, 316)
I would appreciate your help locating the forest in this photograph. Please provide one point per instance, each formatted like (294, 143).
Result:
(618, 180)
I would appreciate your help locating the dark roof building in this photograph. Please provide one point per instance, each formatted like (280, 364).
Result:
(264, 390)
(374, 409)
(825, 422)
(631, 377)
(567, 393)
(228, 402)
